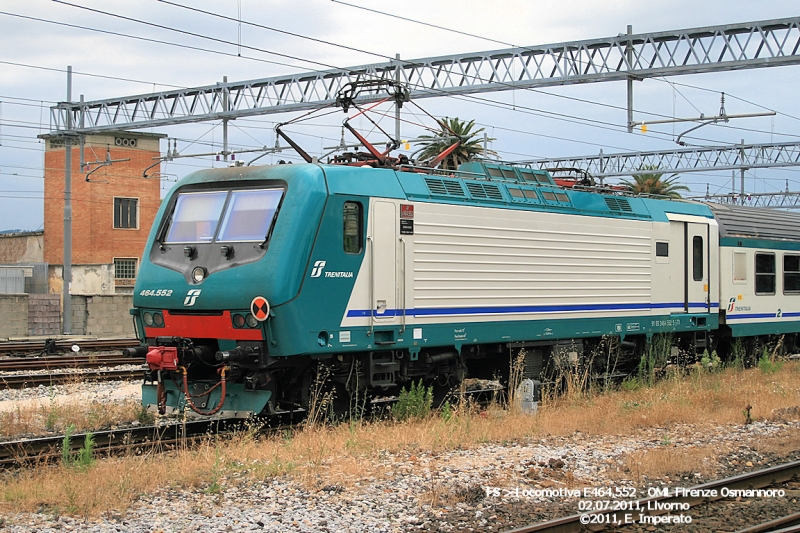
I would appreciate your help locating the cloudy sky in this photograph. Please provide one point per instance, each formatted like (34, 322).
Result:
(142, 46)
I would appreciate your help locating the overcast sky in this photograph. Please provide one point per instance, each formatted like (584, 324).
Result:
(34, 55)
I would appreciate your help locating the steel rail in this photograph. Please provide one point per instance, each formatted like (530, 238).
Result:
(66, 344)
(19, 381)
(109, 442)
(773, 525)
(751, 480)
(67, 361)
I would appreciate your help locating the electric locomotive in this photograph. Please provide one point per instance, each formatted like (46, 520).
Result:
(258, 281)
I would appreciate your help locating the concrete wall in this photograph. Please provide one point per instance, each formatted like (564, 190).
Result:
(40, 315)
(23, 247)
(109, 316)
(44, 314)
(14, 313)
(78, 315)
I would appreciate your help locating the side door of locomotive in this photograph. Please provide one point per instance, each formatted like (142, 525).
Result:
(696, 288)
(382, 257)
(695, 262)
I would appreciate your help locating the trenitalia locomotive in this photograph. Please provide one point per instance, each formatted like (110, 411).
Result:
(256, 279)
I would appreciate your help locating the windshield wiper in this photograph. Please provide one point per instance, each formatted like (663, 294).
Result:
(269, 232)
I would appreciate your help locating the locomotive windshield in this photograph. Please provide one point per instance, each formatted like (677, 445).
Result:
(223, 216)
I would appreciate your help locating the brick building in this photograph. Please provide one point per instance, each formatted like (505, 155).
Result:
(111, 213)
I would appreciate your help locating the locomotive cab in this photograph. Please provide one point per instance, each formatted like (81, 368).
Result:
(219, 259)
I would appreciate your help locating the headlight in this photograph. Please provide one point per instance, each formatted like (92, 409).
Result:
(238, 321)
(158, 319)
(148, 318)
(251, 321)
(198, 274)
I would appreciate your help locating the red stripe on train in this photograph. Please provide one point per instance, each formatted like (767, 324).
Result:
(203, 327)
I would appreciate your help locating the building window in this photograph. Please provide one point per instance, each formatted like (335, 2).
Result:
(125, 211)
(765, 273)
(791, 274)
(352, 219)
(124, 272)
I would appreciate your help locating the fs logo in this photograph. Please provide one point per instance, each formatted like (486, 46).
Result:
(731, 303)
(317, 270)
(191, 297)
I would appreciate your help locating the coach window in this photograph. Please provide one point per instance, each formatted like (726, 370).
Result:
(765, 273)
(352, 224)
(791, 274)
(697, 258)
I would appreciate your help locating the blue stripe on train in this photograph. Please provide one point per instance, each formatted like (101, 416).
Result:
(761, 315)
(698, 307)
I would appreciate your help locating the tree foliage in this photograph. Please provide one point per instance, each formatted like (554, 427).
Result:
(653, 184)
(452, 129)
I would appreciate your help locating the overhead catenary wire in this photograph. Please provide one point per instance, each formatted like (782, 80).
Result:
(532, 133)
(579, 119)
(254, 48)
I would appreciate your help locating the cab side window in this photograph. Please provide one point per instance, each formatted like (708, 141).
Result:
(352, 224)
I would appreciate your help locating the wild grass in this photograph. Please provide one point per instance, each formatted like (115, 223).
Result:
(348, 453)
(55, 417)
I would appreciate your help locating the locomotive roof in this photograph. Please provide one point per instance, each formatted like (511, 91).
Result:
(756, 223)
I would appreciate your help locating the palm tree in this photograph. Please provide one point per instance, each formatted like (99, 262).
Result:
(652, 184)
(451, 130)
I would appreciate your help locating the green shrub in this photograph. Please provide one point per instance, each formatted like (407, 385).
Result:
(413, 403)
(767, 365)
(84, 458)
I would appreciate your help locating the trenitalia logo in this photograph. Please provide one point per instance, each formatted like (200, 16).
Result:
(317, 270)
(191, 297)
(731, 303)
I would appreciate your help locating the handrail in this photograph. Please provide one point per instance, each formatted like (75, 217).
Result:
(403, 278)
(371, 246)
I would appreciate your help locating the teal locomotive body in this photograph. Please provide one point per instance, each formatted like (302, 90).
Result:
(257, 282)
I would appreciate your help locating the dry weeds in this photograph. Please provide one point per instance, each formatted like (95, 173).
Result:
(347, 453)
(670, 461)
(56, 416)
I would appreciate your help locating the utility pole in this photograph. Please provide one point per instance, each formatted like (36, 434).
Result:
(629, 60)
(67, 268)
(397, 103)
(741, 183)
(224, 120)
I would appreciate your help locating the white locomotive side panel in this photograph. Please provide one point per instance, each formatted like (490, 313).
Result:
(484, 264)
(477, 264)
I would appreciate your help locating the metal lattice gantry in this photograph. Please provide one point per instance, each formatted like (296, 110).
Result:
(692, 159)
(624, 57)
(773, 200)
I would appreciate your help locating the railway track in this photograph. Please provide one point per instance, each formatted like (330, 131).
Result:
(134, 440)
(12, 364)
(677, 500)
(20, 381)
(65, 345)
(110, 442)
